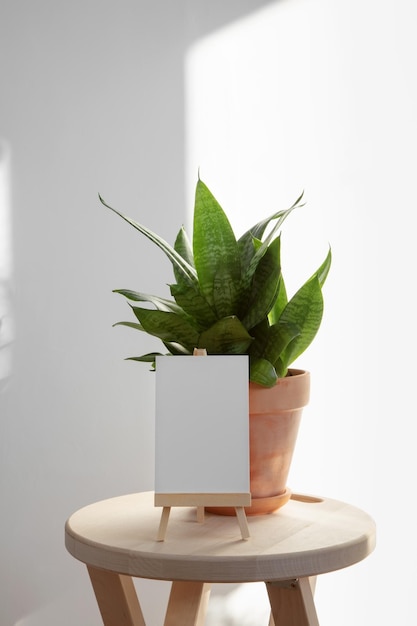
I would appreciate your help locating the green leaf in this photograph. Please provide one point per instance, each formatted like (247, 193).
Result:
(226, 292)
(324, 268)
(264, 288)
(246, 247)
(194, 304)
(226, 336)
(279, 336)
(260, 334)
(280, 303)
(263, 373)
(281, 369)
(145, 358)
(257, 230)
(162, 304)
(176, 349)
(305, 309)
(187, 271)
(214, 243)
(182, 245)
(134, 325)
(169, 327)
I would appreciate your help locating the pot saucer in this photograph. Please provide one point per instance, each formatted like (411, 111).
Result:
(259, 506)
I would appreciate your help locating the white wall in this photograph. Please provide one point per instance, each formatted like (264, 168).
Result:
(92, 100)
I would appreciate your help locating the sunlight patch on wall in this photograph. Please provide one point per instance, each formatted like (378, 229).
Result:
(261, 120)
(266, 112)
(239, 138)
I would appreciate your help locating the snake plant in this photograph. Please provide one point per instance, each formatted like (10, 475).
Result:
(229, 294)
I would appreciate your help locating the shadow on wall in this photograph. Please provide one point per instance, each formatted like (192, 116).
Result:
(205, 18)
(6, 332)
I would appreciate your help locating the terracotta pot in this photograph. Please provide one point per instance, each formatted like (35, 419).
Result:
(274, 419)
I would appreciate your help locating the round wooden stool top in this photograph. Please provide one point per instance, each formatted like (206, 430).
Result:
(306, 537)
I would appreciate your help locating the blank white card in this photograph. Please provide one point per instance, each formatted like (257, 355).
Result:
(202, 424)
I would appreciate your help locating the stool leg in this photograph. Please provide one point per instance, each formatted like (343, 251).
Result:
(187, 604)
(116, 598)
(292, 603)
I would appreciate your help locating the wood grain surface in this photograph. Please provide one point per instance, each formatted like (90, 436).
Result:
(306, 537)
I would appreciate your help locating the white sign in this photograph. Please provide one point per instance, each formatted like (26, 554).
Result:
(202, 424)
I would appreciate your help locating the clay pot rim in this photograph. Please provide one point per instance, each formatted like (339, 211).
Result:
(291, 373)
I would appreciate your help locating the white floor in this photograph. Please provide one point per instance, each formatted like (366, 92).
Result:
(238, 605)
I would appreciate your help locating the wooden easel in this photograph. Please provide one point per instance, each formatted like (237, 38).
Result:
(201, 500)
(236, 500)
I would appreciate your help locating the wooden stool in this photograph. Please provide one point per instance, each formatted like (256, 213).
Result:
(117, 539)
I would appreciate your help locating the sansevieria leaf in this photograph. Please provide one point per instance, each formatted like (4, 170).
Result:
(262, 372)
(279, 337)
(264, 286)
(162, 304)
(229, 296)
(258, 230)
(305, 310)
(183, 247)
(214, 243)
(194, 304)
(226, 336)
(187, 271)
(168, 327)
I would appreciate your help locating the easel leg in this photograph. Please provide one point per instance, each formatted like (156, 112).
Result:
(200, 514)
(292, 603)
(116, 598)
(163, 523)
(187, 604)
(243, 522)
